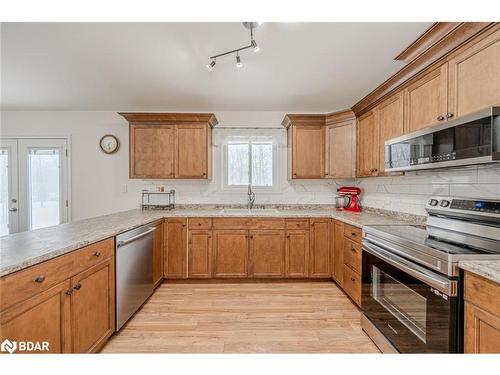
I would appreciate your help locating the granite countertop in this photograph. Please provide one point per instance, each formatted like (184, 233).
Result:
(21, 250)
(489, 269)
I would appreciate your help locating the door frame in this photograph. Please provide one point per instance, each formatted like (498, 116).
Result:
(13, 183)
(69, 176)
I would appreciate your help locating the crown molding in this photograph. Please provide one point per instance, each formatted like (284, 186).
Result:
(169, 118)
(302, 119)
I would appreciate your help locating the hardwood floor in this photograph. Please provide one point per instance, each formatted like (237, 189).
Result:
(302, 317)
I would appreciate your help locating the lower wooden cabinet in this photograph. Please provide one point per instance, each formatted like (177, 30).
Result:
(157, 253)
(175, 248)
(267, 253)
(481, 315)
(338, 252)
(351, 283)
(44, 318)
(92, 307)
(320, 251)
(230, 253)
(200, 254)
(297, 254)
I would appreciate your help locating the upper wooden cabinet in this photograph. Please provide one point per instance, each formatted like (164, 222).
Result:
(306, 145)
(426, 100)
(340, 145)
(368, 145)
(390, 123)
(170, 145)
(474, 76)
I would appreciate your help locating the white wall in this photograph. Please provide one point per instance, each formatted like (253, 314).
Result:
(99, 181)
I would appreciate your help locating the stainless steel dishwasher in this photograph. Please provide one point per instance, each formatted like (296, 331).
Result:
(134, 271)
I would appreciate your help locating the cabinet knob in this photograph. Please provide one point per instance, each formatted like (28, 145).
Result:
(352, 279)
(68, 292)
(199, 224)
(288, 236)
(440, 118)
(204, 174)
(77, 286)
(449, 115)
(97, 254)
(39, 279)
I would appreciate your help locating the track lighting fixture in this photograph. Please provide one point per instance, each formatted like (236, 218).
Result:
(211, 65)
(253, 44)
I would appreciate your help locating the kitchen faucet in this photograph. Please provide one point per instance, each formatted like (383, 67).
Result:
(251, 197)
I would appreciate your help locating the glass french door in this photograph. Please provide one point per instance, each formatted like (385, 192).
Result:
(36, 188)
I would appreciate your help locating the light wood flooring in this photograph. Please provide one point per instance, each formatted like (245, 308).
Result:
(305, 317)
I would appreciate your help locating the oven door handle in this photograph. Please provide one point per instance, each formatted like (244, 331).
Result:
(444, 285)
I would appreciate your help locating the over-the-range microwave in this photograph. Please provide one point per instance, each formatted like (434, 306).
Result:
(468, 140)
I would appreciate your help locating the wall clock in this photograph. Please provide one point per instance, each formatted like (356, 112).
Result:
(109, 144)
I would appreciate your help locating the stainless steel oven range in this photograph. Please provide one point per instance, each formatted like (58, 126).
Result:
(411, 284)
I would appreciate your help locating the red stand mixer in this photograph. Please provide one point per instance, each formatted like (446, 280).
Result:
(352, 194)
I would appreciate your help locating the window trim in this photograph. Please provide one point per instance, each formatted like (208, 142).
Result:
(274, 188)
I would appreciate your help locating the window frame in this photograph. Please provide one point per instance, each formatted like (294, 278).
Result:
(249, 140)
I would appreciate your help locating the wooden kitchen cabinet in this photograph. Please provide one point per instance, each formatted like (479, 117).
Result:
(158, 253)
(43, 317)
(338, 252)
(170, 145)
(93, 307)
(192, 151)
(474, 76)
(340, 149)
(320, 250)
(426, 100)
(267, 253)
(368, 145)
(152, 151)
(297, 254)
(200, 254)
(175, 248)
(230, 253)
(306, 146)
(390, 117)
(481, 315)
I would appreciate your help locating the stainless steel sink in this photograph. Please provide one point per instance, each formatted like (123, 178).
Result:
(249, 212)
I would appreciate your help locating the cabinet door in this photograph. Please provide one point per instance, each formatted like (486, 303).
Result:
(390, 122)
(44, 318)
(482, 331)
(152, 151)
(367, 149)
(474, 77)
(341, 150)
(297, 253)
(426, 100)
(267, 253)
(175, 248)
(230, 253)
(319, 255)
(200, 254)
(338, 252)
(158, 254)
(192, 151)
(93, 307)
(308, 151)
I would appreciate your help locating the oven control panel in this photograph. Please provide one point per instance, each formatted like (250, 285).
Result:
(476, 205)
(466, 205)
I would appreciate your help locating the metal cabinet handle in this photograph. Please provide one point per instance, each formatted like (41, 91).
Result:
(39, 279)
(440, 118)
(449, 115)
(97, 254)
(77, 286)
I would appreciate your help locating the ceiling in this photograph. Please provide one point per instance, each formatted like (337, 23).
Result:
(301, 67)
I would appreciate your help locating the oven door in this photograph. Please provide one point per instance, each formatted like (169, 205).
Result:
(414, 308)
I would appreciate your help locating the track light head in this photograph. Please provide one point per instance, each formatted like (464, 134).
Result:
(256, 48)
(211, 65)
(239, 64)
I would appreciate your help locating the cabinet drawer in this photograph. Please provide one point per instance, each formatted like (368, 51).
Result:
(482, 293)
(24, 284)
(266, 223)
(297, 224)
(353, 233)
(352, 255)
(199, 223)
(352, 285)
(230, 223)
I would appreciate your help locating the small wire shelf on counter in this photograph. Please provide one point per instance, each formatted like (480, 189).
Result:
(158, 200)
